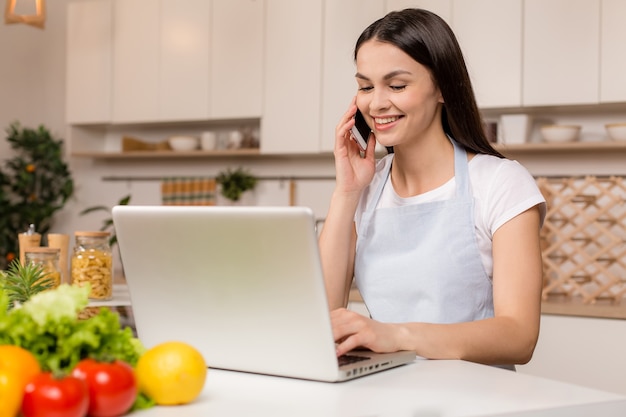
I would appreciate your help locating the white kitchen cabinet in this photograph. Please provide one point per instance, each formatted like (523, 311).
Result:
(292, 77)
(136, 61)
(490, 35)
(161, 60)
(184, 60)
(612, 52)
(344, 20)
(561, 50)
(443, 8)
(237, 38)
(88, 62)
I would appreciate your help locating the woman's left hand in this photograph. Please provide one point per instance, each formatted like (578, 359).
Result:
(352, 330)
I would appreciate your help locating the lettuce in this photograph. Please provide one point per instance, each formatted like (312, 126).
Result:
(54, 306)
(49, 327)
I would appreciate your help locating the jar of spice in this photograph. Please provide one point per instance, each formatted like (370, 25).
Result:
(48, 259)
(92, 262)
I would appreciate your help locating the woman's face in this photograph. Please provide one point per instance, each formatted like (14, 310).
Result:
(396, 94)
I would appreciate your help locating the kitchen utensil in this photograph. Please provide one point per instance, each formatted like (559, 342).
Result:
(616, 131)
(183, 143)
(514, 128)
(208, 141)
(560, 133)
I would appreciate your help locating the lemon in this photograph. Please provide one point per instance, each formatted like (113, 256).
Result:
(171, 373)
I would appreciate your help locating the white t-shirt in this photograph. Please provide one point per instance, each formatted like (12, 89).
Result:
(501, 188)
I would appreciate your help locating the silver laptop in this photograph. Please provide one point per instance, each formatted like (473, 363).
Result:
(244, 285)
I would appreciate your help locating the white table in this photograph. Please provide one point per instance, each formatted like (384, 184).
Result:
(422, 389)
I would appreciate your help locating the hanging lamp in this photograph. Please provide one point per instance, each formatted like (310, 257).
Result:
(38, 19)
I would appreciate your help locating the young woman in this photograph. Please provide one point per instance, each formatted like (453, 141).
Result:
(442, 235)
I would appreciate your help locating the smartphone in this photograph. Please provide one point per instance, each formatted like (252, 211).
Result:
(361, 131)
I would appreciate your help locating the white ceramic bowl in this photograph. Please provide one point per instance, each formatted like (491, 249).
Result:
(560, 133)
(183, 143)
(616, 131)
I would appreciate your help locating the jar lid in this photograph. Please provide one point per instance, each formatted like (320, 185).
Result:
(42, 249)
(91, 234)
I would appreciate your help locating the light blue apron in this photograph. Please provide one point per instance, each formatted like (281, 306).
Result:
(421, 262)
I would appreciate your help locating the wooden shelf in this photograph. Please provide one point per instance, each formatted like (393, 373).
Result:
(526, 148)
(167, 154)
(546, 147)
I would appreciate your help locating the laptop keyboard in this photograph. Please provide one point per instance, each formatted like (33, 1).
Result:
(348, 359)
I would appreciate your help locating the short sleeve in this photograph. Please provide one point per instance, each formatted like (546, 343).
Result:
(512, 190)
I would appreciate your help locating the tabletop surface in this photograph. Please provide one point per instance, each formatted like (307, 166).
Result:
(425, 388)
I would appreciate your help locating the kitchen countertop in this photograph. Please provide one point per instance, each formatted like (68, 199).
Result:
(561, 306)
(121, 298)
(425, 388)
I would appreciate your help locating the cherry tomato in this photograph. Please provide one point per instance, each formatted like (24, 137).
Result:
(112, 386)
(48, 396)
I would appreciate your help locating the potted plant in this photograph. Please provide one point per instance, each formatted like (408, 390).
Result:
(34, 185)
(235, 182)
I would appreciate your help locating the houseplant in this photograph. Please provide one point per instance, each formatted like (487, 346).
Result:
(235, 182)
(34, 185)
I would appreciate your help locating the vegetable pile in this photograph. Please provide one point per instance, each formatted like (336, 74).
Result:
(48, 326)
(86, 365)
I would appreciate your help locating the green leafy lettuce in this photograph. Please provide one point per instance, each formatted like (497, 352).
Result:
(48, 326)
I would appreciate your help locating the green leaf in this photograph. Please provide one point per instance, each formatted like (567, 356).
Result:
(124, 201)
(94, 208)
(21, 282)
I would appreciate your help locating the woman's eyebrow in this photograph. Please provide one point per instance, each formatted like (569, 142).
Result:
(392, 74)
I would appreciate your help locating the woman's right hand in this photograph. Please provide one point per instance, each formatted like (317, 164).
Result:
(353, 171)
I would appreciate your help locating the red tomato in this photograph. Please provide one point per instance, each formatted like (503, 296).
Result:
(48, 396)
(112, 386)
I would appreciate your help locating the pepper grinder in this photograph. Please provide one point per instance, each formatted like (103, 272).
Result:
(28, 239)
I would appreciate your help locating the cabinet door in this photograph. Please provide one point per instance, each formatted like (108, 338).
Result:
(443, 8)
(613, 48)
(184, 53)
(490, 35)
(292, 77)
(561, 50)
(344, 20)
(88, 65)
(237, 59)
(135, 61)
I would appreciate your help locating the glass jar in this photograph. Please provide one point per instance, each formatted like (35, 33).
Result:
(48, 259)
(92, 262)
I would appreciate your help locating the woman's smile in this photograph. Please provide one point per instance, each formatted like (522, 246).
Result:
(385, 123)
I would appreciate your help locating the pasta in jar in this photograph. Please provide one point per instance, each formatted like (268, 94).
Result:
(92, 262)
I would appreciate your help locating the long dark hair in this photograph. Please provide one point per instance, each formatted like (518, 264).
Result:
(428, 39)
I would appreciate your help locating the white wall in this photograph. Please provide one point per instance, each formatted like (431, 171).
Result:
(32, 74)
(32, 83)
